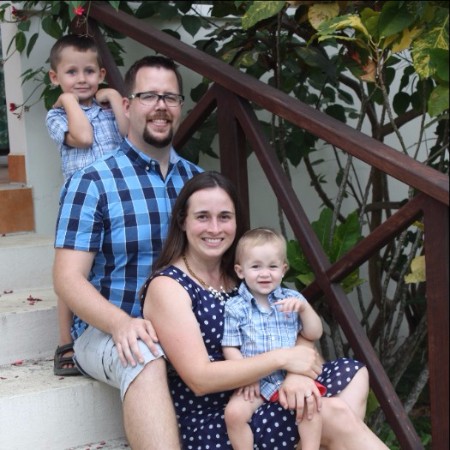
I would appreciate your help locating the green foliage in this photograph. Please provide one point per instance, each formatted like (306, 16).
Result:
(378, 64)
(344, 237)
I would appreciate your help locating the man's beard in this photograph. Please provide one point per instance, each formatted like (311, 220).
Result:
(155, 142)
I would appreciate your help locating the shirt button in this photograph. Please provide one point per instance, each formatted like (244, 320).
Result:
(147, 168)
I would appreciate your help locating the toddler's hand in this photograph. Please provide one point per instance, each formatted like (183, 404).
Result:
(291, 304)
(250, 392)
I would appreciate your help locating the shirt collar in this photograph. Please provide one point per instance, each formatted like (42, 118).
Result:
(143, 159)
(245, 293)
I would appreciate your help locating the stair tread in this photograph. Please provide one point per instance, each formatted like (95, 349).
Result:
(115, 444)
(32, 299)
(24, 377)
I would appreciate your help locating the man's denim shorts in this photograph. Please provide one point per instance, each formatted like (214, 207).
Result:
(96, 356)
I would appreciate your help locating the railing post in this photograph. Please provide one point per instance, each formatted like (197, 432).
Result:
(232, 143)
(437, 270)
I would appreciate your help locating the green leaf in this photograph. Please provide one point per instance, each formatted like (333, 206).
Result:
(401, 102)
(167, 11)
(394, 18)
(438, 101)
(439, 63)
(346, 235)
(31, 43)
(437, 38)
(337, 111)
(191, 24)
(51, 27)
(115, 4)
(146, 9)
(198, 92)
(327, 30)
(322, 228)
(260, 10)
(183, 6)
(24, 25)
(296, 258)
(21, 41)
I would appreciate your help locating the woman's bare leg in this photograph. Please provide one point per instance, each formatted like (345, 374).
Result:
(344, 430)
(356, 393)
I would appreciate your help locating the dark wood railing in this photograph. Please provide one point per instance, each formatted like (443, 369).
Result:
(230, 95)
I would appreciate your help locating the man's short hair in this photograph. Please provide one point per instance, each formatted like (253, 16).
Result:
(150, 61)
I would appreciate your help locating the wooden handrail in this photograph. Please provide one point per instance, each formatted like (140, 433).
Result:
(230, 96)
(363, 147)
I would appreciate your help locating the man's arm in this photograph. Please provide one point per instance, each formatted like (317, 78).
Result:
(70, 278)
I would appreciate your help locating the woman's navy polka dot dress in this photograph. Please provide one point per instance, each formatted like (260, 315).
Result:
(201, 419)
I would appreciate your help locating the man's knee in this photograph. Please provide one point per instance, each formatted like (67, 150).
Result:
(152, 377)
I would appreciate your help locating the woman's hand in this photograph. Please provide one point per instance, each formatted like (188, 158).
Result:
(304, 360)
(300, 392)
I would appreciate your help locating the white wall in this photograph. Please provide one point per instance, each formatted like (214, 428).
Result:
(28, 136)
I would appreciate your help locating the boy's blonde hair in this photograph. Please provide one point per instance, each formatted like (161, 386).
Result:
(260, 236)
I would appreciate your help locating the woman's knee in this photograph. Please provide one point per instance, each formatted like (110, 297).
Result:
(338, 417)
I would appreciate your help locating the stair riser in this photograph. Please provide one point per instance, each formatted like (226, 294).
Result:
(60, 418)
(25, 266)
(28, 335)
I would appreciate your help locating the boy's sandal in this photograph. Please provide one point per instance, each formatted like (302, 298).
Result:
(60, 361)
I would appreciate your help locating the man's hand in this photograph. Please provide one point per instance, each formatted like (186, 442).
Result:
(126, 334)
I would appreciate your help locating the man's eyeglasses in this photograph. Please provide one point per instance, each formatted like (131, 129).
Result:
(150, 98)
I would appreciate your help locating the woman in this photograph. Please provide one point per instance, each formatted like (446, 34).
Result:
(184, 299)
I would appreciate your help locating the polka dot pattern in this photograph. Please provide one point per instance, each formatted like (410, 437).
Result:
(201, 419)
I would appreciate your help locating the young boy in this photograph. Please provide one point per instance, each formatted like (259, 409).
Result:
(262, 317)
(86, 123)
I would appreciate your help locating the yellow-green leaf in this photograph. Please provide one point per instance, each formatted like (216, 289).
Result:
(438, 101)
(417, 274)
(259, 11)
(320, 12)
(341, 23)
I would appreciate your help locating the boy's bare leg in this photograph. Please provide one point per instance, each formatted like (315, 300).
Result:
(65, 317)
(310, 433)
(238, 412)
(148, 413)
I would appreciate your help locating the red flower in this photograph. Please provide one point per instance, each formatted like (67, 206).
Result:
(78, 11)
(13, 11)
(12, 107)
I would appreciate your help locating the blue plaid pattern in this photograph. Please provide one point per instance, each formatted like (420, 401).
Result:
(120, 207)
(107, 137)
(257, 330)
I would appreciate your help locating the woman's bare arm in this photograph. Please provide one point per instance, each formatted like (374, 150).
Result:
(168, 307)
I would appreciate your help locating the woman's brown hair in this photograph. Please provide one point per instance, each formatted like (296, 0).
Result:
(176, 242)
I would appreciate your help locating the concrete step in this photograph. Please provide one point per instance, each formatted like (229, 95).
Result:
(115, 444)
(39, 411)
(28, 324)
(26, 261)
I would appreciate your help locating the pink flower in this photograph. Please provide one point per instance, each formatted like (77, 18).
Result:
(12, 107)
(78, 11)
(13, 11)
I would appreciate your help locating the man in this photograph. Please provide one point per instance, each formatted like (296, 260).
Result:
(113, 219)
